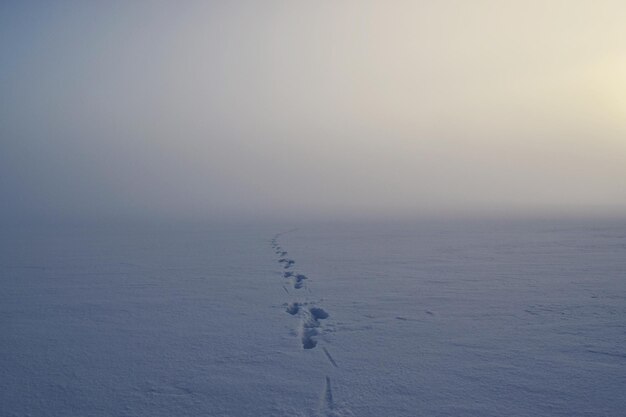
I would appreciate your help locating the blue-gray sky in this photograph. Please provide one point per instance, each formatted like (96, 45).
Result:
(200, 109)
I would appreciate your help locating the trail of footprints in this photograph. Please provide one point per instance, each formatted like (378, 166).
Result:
(309, 314)
(310, 320)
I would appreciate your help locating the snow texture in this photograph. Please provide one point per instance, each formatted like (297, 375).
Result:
(451, 318)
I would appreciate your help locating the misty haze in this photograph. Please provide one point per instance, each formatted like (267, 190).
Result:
(276, 208)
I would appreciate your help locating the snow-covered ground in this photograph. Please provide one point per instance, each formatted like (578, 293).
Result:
(454, 318)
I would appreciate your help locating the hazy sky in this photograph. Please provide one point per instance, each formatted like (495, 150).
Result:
(193, 109)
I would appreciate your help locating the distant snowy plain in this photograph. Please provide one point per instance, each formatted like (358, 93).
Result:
(474, 318)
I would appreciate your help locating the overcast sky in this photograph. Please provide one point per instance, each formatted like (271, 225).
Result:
(200, 109)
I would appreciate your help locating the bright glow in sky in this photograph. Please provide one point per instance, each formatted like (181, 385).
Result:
(197, 109)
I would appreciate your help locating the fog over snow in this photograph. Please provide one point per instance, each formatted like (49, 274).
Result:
(212, 108)
(313, 209)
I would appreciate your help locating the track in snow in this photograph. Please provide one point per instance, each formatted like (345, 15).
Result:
(310, 323)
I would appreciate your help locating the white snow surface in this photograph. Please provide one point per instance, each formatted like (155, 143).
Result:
(475, 318)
